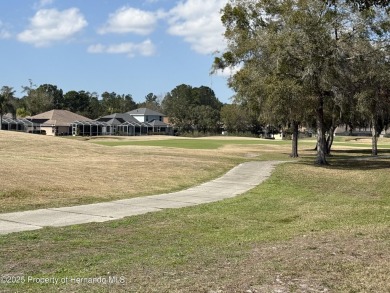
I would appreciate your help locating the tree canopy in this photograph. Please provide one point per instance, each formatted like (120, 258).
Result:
(193, 108)
(295, 53)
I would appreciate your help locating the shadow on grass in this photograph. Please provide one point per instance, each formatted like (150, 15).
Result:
(343, 160)
(362, 151)
(364, 164)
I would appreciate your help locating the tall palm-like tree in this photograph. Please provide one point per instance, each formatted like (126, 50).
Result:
(6, 97)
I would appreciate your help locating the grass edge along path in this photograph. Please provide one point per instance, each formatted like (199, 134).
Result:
(236, 181)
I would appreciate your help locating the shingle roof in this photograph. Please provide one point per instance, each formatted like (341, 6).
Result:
(113, 121)
(121, 117)
(144, 111)
(58, 117)
(158, 123)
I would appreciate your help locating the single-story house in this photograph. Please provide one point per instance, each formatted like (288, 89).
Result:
(344, 130)
(56, 122)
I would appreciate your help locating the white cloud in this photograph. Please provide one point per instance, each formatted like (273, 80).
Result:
(97, 48)
(4, 33)
(199, 23)
(229, 71)
(130, 20)
(50, 25)
(145, 48)
(43, 3)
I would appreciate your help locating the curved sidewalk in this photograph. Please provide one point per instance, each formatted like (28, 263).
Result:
(236, 181)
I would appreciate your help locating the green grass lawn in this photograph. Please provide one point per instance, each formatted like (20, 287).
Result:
(193, 143)
(200, 143)
(306, 229)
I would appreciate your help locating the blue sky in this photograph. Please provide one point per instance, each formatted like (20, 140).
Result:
(128, 47)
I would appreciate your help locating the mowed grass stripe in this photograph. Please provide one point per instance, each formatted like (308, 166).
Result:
(193, 143)
(197, 143)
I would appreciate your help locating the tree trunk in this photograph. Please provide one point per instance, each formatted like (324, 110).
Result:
(329, 140)
(294, 146)
(321, 147)
(321, 141)
(374, 138)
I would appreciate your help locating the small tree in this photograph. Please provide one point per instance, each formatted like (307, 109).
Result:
(6, 97)
(37, 100)
(53, 95)
(152, 102)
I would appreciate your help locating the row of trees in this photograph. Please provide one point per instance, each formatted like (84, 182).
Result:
(311, 62)
(48, 97)
(198, 109)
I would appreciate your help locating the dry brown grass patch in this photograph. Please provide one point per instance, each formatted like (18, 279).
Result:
(42, 171)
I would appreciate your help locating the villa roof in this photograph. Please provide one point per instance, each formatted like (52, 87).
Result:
(158, 123)
(117, 117)
(144, 111)
(58, 117)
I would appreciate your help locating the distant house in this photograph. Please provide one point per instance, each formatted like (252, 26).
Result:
(154, 119)
(123, 124)
(146, 115)
(345, 130)
(141, 121)
(56, 122)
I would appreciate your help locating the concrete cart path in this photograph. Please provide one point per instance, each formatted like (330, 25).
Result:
(237, 181)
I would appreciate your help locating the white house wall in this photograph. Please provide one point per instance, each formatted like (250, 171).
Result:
(147, 118)
(140, 118)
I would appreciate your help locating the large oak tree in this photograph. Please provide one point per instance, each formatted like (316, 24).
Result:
(304, 43)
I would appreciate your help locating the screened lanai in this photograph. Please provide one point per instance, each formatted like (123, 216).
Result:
(133, 128)
(15, 124)
(92, 128)
(96, 128)
(160, 127)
